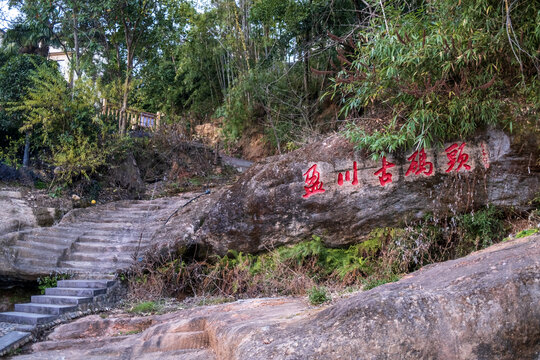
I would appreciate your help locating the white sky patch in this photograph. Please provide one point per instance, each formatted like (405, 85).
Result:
(7, 15)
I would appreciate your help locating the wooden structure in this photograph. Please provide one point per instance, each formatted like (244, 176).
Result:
(134, 118)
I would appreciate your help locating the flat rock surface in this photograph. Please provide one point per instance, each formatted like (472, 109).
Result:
(483, 306)
(209, 332)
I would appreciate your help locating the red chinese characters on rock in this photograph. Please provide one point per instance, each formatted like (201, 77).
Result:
(348, 176)
(384, 177)
(420, 166)
(455, 154)
(313, 182)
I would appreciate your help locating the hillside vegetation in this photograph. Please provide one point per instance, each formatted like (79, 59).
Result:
(388, 74)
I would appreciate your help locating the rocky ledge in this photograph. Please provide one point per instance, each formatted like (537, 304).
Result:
(331, 190)
(483, 306)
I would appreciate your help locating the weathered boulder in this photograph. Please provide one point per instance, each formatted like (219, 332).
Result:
(128, 176)
(7, 173)
(17, 214)
(272, 204)
(483, 306)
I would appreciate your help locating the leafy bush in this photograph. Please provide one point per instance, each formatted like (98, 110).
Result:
(64, 122)
(438, 72)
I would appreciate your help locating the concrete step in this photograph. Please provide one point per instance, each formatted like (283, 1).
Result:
(26, 318)
(75, 291)
(12, 340)
(86, 284)
(60, 300)
(49, 309)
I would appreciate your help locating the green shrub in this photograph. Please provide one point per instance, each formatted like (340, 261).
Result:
(525, 233)
(51, 281)
(383, 256)
(481, 229)
(437, 73)
(318, 295)
(371, 283)
(145, 307)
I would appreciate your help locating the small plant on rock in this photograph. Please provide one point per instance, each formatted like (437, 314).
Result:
(318, 295)
(51, 281)
(145, 307)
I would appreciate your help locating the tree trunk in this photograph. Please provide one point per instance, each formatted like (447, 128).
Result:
(76, 43)
(123, 111)
(26, 156)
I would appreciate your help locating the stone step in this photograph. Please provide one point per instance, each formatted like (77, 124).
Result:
(124, 239)
(57, 230)
(127, 213)
(48, 309)
(89, 266)
(101, 257)
(13, 339)
(40, 246)
(26, 318)
(95, 220)
(89, 274)
(184, 354)
(178, 341)
(32, 253)
(133, 221)
(90, 247)
(37, 264)
(86, 284)
(51, 239)
(60, 300)
(105, 236)
(75, 291)
(90, 227)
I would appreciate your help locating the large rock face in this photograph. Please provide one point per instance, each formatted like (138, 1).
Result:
(273, 204)
(16, 212)
(483, 306)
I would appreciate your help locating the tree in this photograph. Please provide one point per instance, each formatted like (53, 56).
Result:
(15, 76)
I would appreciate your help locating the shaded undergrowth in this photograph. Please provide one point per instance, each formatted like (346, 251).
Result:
(383, 256)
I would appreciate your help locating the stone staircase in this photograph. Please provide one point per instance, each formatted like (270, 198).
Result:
(68, 296)
(89, 243)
